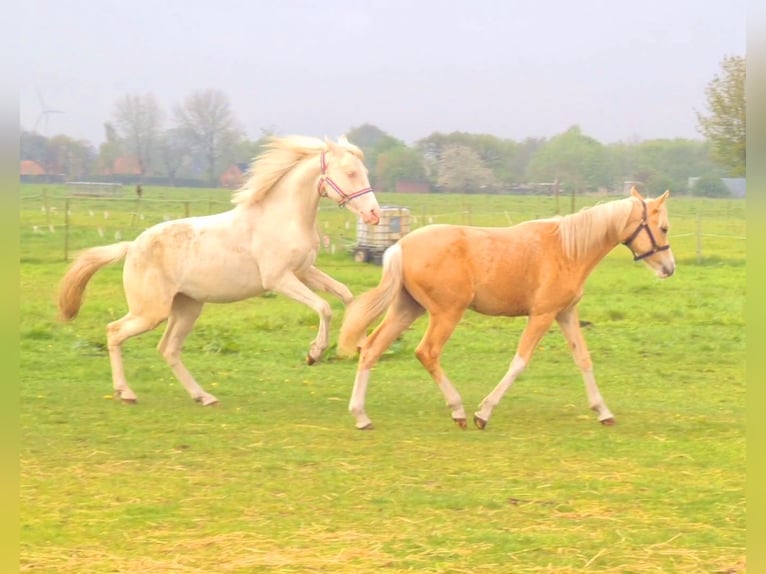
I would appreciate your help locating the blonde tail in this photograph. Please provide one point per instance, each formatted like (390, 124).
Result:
(72, 286)
(370, 305)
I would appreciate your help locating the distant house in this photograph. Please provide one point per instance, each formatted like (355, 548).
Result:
(32, 172)
(408, 186)
(735, 185)
(233, 176)
(30, 168)
(125, 165)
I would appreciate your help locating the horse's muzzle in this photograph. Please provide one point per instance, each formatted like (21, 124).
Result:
(372, 217)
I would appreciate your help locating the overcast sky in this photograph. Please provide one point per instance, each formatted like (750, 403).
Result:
(511, 68)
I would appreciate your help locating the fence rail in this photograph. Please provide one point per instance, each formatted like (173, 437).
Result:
(65, 223)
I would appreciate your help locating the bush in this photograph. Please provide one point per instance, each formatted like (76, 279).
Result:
(710, 186)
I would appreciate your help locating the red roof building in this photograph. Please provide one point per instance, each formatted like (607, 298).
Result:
(29, 167)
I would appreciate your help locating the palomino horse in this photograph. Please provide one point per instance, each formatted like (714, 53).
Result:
(268, 241)
(537, 268)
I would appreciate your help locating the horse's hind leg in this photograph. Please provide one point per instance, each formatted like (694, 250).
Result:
(117, 332)
(570, 325)
(441, 325)
(183, 315)
(403, 311)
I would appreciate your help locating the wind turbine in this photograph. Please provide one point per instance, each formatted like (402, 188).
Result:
(45, 113)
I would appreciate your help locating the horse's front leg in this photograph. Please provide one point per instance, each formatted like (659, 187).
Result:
(536, 327)
(321, 281)
(290, 286)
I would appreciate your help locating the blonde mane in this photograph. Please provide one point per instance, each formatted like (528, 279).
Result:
(580, 231)
(280, 156)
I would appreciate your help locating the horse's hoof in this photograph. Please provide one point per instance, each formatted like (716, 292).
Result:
(124, 400)
(461, 423)
(368, 426)
(610, 422)
(207, 401)
(479, 422)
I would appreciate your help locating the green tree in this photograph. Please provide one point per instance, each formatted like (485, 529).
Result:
(577, 161)
(660, 164)
(366, 136)
(35, 147)
(724, 126)
(398, 163)
(373, 142)
(524, 152)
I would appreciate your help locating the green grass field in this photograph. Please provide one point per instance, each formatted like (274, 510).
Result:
(276, 478)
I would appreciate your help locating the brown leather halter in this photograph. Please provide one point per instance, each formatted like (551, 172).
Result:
(326, 179)
(644, 224)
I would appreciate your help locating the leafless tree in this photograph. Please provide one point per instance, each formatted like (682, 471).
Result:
(173, 153)
(138, 120)
(205, 119)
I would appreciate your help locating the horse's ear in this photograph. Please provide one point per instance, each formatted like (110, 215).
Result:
(634, 193)
(656, 203)
(333, 147)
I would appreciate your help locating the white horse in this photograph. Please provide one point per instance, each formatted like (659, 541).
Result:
(268, 241)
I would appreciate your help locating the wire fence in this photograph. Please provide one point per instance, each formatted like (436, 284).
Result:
(55, 224)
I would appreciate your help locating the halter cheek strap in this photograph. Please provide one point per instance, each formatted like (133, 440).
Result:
(644, 225)
(327, 180)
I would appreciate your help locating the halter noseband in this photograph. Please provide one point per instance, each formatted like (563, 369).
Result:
(656, 248)
(327, 180)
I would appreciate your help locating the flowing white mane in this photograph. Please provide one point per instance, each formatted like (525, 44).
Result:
(280, 156)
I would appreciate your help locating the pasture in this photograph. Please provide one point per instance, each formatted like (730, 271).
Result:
(276, 478)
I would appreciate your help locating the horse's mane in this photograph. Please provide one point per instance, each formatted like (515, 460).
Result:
(580, 231)
(280, 156)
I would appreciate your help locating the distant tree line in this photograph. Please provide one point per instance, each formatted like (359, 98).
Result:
(201, 137)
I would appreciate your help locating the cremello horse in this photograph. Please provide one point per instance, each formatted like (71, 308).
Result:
(537, 268)
(268, 241)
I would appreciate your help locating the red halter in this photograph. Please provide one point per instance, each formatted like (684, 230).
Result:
(326, 179)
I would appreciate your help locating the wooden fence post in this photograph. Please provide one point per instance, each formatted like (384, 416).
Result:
(46, 207)
(66, 229)
(467, 220)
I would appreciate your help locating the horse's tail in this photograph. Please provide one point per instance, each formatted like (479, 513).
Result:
(370, 305)
(72, 286)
